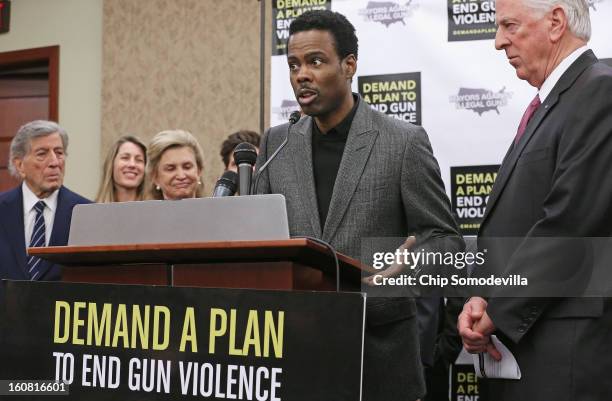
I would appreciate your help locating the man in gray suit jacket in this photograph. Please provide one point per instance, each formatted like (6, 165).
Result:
(350, 173)
(555, 182)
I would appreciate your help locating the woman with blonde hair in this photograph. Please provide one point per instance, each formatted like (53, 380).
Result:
(123, 171)
(175, 166)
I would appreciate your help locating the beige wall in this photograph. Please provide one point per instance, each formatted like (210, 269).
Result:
(189, 64)
(76, 26)
(142, 66)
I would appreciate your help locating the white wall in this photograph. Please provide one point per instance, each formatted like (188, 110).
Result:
(76, 26)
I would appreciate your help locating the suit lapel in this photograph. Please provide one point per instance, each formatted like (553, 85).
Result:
(12, 224)
(59, 232)
(359, 144)
(302, 157)
(494, 192)
(509, 163)
(505, 171)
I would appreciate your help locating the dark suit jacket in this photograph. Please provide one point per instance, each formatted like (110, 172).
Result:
(388, 185)
(556, 182)
(12, 237)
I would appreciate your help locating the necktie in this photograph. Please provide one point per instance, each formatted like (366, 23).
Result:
(533, 106)
(37, 239)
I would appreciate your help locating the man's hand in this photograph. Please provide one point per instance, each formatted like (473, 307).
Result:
(475, 327)
(394, 269)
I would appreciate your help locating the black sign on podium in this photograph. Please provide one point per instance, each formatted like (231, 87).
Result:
(133, 342)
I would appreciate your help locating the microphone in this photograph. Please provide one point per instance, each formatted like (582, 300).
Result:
(293, 118)
(226, 185)
(245, 156)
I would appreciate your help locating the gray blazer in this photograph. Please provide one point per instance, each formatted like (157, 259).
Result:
(388, 185)
(556, 182)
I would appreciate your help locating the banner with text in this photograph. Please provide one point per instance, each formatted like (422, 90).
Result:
(284, 12)
(470, 190)
(397, 95)
(135, 342)
(432, 63)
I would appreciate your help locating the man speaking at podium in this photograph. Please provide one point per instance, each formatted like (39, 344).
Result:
(349, 173)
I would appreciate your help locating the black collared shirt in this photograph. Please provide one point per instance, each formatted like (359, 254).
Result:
(327, 150)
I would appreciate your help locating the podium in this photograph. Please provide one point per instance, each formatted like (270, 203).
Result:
(233, 242)
(200, 339)
(292, 264)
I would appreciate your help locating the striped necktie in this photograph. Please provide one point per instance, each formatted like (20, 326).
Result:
(37, 239)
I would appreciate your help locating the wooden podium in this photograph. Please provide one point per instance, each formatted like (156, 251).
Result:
(293, 264)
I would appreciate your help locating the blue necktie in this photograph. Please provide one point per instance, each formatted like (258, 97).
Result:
(37, 239)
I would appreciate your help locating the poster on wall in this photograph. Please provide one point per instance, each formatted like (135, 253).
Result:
(464, 92)
(464, 384)
(481, 100)
(388, 12)
(470, 190)
(283, 13)
(471, 20)
(397, 95)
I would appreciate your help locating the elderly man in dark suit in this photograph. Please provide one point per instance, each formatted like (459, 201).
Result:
(38, 212)
(554, 182)
(350, 173)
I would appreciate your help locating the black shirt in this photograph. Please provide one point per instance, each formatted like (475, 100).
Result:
(327, 150)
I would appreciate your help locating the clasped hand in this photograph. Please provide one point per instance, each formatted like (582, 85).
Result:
(475, 328)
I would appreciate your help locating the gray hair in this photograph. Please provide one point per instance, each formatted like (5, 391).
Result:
(577, 12)
(21, 143)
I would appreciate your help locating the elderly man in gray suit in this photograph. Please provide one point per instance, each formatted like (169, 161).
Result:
(350, 173)
(554, 183)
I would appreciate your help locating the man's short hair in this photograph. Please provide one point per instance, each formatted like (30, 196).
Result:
(335, 23)
(227, 147)
(577, 12)
(21, 143)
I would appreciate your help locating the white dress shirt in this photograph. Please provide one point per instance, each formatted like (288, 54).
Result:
(555, 75)
(29, 213)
